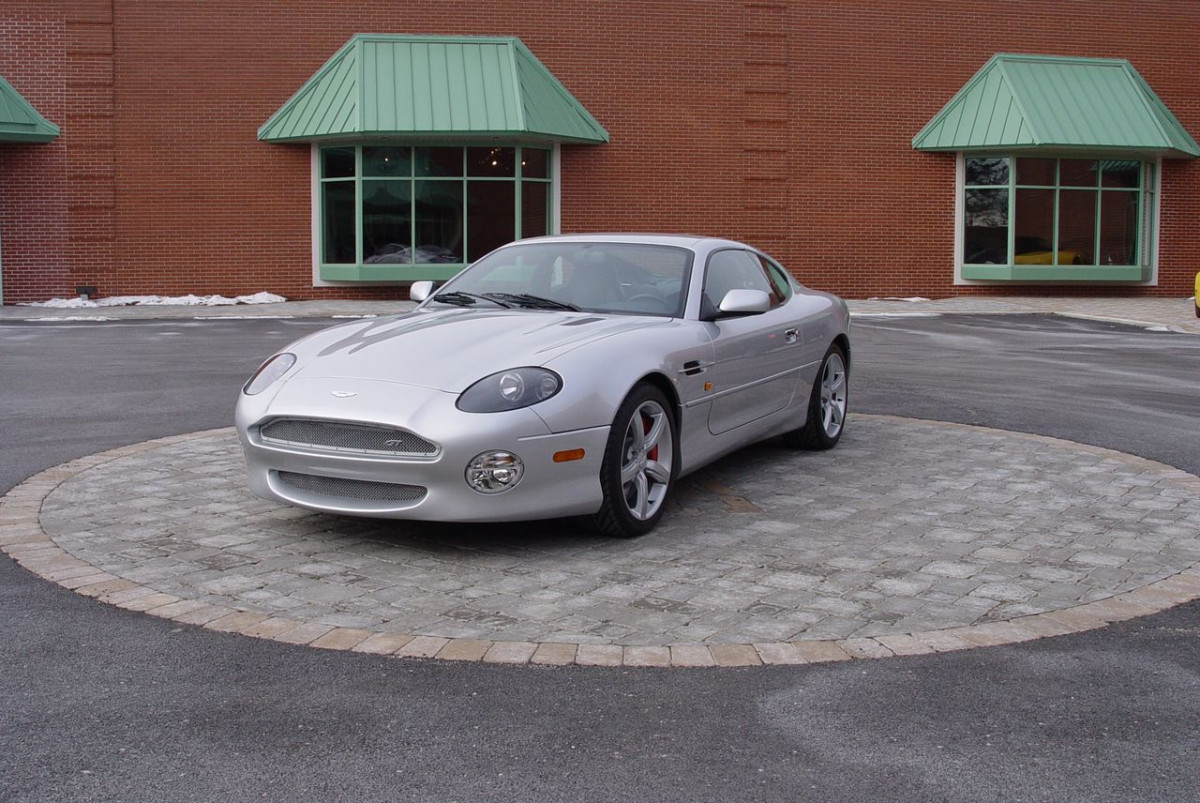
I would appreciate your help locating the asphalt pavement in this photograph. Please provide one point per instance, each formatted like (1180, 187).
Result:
(108, 704)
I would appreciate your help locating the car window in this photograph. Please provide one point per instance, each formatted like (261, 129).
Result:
(633, 278)
(511, 274)
(779, 278)
(734, 269)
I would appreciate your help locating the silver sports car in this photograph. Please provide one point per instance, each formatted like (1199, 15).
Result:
(558, 376)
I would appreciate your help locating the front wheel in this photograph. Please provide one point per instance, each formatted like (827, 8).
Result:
(827, 405)
(638, 466)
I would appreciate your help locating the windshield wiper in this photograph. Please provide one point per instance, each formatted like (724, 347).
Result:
(460, 299)
(535, 302)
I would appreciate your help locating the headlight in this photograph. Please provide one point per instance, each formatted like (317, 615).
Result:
(268, 373)
(510, 390)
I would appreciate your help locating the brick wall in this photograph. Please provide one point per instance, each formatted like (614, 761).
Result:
(34, 251)
(91, 151)
(783, 122)
(875, 216)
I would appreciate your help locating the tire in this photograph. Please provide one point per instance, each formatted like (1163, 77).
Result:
(827, 405)
(639, 464)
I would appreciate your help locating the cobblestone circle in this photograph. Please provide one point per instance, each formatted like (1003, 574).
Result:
(911, 536)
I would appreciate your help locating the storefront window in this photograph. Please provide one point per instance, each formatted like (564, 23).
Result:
(1065, 214)
(399, 212)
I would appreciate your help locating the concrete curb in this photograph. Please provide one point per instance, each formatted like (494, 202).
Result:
(23, 538)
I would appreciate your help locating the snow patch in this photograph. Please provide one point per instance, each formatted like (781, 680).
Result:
(897, 298)
(156, 301)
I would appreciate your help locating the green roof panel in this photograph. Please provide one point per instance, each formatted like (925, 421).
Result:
(425, 86)
(19, 121)
(1051, 103)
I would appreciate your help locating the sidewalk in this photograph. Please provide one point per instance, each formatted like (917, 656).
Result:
(1170, 314)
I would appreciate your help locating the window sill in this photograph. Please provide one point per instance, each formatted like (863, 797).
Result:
(1054, 273)
(387, 273)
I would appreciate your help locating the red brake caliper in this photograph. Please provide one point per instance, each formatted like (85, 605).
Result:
(653, 453)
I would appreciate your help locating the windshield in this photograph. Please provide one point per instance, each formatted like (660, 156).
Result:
(593, 277)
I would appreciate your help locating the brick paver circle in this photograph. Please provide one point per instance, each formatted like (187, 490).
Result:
(911, 536)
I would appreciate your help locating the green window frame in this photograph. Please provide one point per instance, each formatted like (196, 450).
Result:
(1038, 218)
(389, 212)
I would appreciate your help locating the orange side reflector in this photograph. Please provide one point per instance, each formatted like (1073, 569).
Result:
(568, 455)
(708, 385)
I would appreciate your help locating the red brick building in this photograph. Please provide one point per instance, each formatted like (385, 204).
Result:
(847, 139)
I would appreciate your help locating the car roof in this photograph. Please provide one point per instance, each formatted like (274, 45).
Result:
(691, 241)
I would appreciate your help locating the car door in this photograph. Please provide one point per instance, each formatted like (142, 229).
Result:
(757, 357)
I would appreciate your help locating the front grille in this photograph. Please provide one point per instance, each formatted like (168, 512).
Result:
(341, 436)
(361, 490)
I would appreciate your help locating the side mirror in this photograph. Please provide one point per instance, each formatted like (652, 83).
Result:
(420, 291)
(745, 302)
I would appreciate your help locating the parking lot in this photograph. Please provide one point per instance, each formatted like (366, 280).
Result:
(1003, 468)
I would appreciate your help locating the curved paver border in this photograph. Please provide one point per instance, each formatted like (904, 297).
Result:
(23, 539)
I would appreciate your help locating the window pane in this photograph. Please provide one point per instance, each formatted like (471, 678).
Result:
(1121, 173)
(648, 279)
(1033, 227)
(337, 162)
(535, 163)
(386, 162)
(985, 239)
(783, 287)
(987, 171)
(1077, 227)
(736, 270)
(535, 209)
(1118, 228)
(439, 161)
(1037, 172)
(491, 162)
(439, 221)
(387, 222)
(337, 203)
(1079, 173)
(491, 216)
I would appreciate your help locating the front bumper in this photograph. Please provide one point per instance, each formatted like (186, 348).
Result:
(338, 481)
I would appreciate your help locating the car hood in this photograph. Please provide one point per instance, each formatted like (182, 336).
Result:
(452, 349)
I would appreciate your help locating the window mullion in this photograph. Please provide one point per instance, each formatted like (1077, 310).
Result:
(358, 203)
(1139, 249)
(466, 199)
(412, 206)
(1012, 210)
(1054, 247)
(518, 221)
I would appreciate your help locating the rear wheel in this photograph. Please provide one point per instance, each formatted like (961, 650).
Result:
(827, 405)
(639, 464)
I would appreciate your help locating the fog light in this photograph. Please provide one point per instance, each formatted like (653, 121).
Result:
(494, 472)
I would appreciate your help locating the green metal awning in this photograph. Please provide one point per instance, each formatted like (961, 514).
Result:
(20, 122)
(1047, 103)
(424, 86)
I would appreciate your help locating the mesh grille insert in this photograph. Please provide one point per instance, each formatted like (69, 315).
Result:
(361, 490)
(340, 436)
